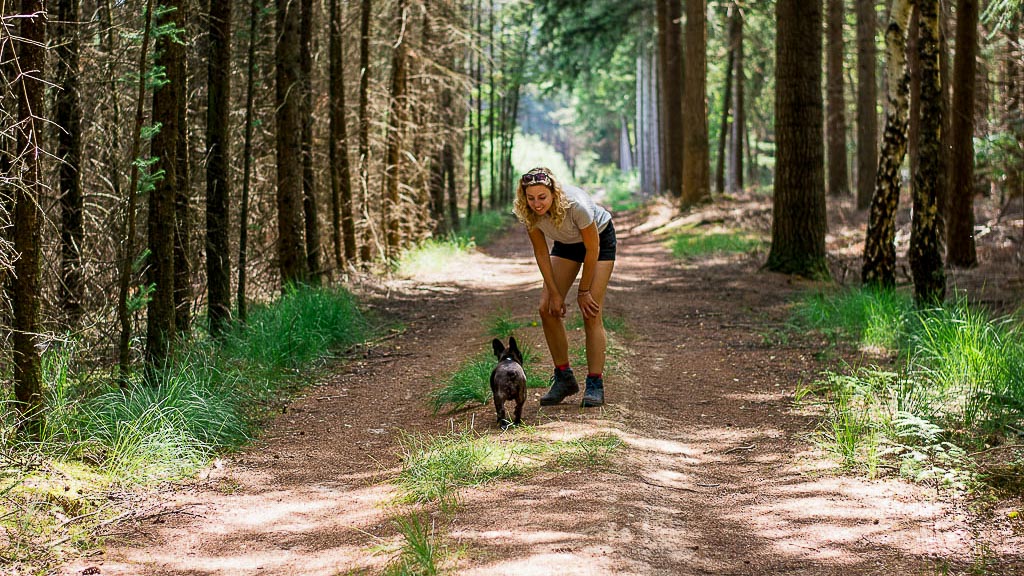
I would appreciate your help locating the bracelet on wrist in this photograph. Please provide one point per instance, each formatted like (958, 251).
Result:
(582, 292)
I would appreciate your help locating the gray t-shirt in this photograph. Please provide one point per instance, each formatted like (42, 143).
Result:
(582, 212)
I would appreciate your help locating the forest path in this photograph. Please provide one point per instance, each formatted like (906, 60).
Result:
(717, 475)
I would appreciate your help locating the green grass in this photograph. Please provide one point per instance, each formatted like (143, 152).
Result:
(691, 243)
(957, 386)
(418, 554)
(472, 381)
(438, 253)
(435, 468)
(210, 397)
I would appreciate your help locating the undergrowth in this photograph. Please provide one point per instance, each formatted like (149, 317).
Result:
(100, 437)
(943, 403)
(443, 251)
(435, 468)
(694, 243)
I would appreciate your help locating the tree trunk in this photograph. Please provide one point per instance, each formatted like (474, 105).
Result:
(879, 249)
(914, 69)
(218, 164)
(183, 182)
(1013, 114)
(671, 94)
(310, 207)
(68, 115)
(696, 156)
(364, 127)
(734, 164)
(798, 218)
(396, 123)
(290, 247)
(160, 318)
(243, 215)
(27, 220)
(723, 129)
(838, 172)
(960, 249)
(867, 101)
(128, 227)
(491, 184)
(341, 178)
(926, 234)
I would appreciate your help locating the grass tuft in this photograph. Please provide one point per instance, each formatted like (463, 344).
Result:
(956, 389)
(434, 468)
(686, 244)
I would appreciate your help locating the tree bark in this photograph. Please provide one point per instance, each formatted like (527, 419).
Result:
(27, 220)
(734, 176)
(218, 181)
(960, 248)
(838, 171)
(867, 101)
(669, 13)
(310, 206)
(364, 127)
(162, 222)
(1013, 115)
(926, 233)
(341, 177)
(68, 115)
(723, 126)
(696, 155)
(290, 246)
(798, 218)
(396, 123)
(183, 182)
(128, 227)
(243, 212)
(879, 248)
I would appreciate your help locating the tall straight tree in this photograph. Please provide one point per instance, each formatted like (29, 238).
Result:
(696, 156)
(734, 176)
(723, 130)
(670, 53)
(879, 267)
(838, 171)
(243, 211)
(341, 177)
(177, 69)
(310, 206)
(218, 160)
(364, 126)
(926, 232)
(127, 255)
(68, 116)
(798, 215)
(960, 248)
(396, 124)
(162, 223)
(290, 247)
(867, 102)
(27, 218)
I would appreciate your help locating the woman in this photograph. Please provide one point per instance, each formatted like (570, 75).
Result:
(583, 237)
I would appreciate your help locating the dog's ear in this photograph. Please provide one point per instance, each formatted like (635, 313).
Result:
(512, 344)
(499, 348)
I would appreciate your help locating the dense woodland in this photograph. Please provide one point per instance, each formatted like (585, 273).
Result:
(162, 164)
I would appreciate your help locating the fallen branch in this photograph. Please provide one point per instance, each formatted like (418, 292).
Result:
(994, 448)
(738, 448)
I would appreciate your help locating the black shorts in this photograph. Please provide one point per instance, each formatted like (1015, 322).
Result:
(577, 250)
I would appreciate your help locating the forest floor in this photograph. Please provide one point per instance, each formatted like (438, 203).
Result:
(718, 474)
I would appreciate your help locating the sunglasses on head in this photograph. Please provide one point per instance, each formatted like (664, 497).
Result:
(531, 178)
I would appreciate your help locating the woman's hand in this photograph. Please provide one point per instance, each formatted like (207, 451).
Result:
(588, 306)
(554, 303)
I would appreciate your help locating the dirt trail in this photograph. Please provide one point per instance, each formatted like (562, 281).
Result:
(717, 475)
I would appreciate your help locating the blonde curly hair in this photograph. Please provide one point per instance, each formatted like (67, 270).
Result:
(559, 204)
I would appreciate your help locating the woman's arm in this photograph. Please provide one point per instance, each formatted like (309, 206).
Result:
(555, 299)
(592, 242)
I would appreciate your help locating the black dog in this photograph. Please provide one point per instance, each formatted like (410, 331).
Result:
(508, 381)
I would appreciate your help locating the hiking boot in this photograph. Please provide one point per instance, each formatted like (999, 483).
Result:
(593, 395)
(563, 384)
